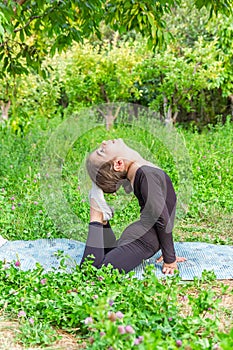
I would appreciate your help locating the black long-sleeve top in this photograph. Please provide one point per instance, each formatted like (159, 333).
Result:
(157, 200)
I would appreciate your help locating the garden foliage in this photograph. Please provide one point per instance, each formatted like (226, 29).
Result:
(109, 310)
(189, 79)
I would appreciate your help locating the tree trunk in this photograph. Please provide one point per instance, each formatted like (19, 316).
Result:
(5, 109)
(231, 103)
(109, 120)
(170, 118)
(108, 114)
(109, 117)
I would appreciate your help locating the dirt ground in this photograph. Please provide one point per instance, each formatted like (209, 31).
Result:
(8, 331)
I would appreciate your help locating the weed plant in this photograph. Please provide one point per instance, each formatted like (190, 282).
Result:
(109, 310)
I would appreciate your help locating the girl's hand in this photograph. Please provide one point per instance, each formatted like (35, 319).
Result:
(169, 268)
(178, 259)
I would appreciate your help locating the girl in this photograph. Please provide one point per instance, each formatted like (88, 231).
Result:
(114, 164)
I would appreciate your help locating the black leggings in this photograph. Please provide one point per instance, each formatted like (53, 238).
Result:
(123, 254)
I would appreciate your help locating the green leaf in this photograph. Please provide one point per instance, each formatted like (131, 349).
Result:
(2, 31)
(21, 35)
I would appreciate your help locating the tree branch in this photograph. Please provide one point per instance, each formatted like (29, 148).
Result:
(20, 2)
(104, 94)
(195, 67)
(117, 112)
(101, 112)
(27, 24)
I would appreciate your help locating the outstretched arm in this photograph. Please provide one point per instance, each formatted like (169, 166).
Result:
(158, 211)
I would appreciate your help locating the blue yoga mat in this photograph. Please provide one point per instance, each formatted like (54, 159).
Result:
(200, 256)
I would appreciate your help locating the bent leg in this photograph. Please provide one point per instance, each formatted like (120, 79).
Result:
(100, 241)
(129, 254)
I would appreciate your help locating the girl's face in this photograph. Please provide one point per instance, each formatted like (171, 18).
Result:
(108, 150)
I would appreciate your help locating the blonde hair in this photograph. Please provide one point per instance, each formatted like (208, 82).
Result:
(105, 177)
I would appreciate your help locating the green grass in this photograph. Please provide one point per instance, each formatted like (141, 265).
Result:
(210, 203)
(98, 305)
(166, 313)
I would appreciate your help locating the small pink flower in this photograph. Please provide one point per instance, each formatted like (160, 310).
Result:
(40, 211)
(179, 343)
(129, 329)
(119, 314)
(17, 263)
(102, 334)
(110, 302)
(100, 278)
(95, 296)
(91, 340)
(43, 281)
(121, 329)
(88, 320)
(170, 319)
(31, 320)
(12, 198)
(36, 203)
(3, 189)
(13, 207)
(21, 313)
(35, 180)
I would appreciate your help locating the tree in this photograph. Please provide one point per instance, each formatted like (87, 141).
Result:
(187, 24)
(30, 30)
(174, 80)
(101, 75)
(222, 29)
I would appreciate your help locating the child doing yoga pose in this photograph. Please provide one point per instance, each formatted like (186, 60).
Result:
(114, 164)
